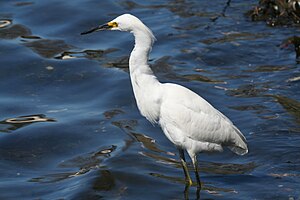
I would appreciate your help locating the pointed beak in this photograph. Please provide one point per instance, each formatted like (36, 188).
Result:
(98, 28)
(107, 26)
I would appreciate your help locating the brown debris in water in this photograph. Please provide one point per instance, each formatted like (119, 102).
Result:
(48, 48)
(249, 90)
(295, 41)
(292, 106)
(201, 78)
(112, 113)
(13, 31)
(276, 12)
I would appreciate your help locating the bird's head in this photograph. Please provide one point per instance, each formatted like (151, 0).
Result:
(125, 22)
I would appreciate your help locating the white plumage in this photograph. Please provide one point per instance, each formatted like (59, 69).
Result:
(188, 121)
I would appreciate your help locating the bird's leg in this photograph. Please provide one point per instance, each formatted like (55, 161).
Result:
(185, 169)
(186, 192)
(195, 163)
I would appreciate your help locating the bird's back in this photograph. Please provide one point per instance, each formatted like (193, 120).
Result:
(190, 119)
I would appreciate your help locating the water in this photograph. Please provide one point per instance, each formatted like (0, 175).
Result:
(69, 125)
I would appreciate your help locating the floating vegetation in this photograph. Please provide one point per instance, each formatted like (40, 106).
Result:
(162, 65)
(233, 37)
(48, 48)
(249, 107)
(181, 8)
(147, 142)
(105, 181)
(112, 113)
(290, 105)
(24, 3)
(269, 68)
(198, 77)
(121, 63)
(276, 12)
(227, 168)
(295, 41)
(8, 31)
(129, 124)
(249, 90)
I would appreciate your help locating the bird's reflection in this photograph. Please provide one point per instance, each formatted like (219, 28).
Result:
(187, 190)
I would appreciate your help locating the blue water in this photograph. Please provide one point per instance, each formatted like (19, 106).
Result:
(69, 125)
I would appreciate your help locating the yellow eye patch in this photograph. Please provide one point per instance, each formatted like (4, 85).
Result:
(112, 24)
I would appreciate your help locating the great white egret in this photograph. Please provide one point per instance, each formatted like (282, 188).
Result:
(187, 120)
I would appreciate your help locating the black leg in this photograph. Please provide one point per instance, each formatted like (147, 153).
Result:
(185, 169)
(195, 163)
(186, 192)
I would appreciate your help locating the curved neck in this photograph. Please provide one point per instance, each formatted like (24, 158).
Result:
(146, 87)
(138, 61)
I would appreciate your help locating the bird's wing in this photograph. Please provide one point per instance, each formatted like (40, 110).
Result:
(197, 119)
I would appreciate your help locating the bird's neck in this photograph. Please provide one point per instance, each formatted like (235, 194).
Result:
(145, 85)
(138, 62)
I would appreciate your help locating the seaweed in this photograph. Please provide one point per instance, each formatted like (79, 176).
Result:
(276, 12)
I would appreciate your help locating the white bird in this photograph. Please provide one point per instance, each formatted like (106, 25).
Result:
(187, 120)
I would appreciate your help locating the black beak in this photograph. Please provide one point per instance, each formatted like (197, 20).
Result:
(98, 28)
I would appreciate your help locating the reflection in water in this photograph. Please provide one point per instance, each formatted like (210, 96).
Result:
(12, 124)
(152, 150)
(207, 187)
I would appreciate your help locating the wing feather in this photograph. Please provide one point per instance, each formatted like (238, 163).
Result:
(199, 120)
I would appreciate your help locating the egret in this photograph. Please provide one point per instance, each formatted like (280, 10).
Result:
(187, 120)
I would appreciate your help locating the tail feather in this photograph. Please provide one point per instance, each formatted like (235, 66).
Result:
(238, 150)
(240, 145)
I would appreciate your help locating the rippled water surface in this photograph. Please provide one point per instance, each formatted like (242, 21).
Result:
(69, 125)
